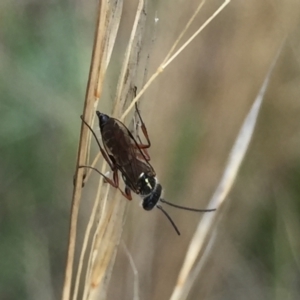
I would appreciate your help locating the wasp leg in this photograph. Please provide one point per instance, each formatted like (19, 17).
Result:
(144, 130)
(142, 147)
(145, 155)
(127, 193)
(107, 179)
(114, 183)
(143, 127)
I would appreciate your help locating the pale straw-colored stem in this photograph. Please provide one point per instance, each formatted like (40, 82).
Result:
(82, 150)
(166, 61)
(235, 159)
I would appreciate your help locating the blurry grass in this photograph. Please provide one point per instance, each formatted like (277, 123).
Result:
(183, 153)
(45, 52)
(40, 94)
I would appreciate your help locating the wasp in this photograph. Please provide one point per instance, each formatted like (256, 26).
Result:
(128, 156)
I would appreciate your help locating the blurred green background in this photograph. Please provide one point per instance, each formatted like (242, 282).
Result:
(193, 113)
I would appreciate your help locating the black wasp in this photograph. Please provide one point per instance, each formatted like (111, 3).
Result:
(129, 156)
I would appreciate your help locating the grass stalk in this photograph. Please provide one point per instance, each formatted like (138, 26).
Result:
(208, 221)
(98, 68)
(169, 58)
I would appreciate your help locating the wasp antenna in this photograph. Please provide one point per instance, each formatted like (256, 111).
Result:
(169, 218)
(187, 208)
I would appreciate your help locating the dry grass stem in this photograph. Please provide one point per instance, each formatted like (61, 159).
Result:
(168, 59)
(109, 228)
(85, 241)
(102, 258)
(208, 221)
(129, 69)
(199, 265)
(135, 273)
(205, 24)
(109, 214)
(187, 26)
(109, 19)
(98, 67)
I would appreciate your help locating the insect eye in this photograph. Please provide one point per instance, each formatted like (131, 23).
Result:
(151, 200)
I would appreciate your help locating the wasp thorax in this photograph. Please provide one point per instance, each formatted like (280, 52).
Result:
(146, 184)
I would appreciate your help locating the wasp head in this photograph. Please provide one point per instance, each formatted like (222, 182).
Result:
(151, 200)
(150, 191)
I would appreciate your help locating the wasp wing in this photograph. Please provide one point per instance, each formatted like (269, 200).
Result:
(129, 158)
